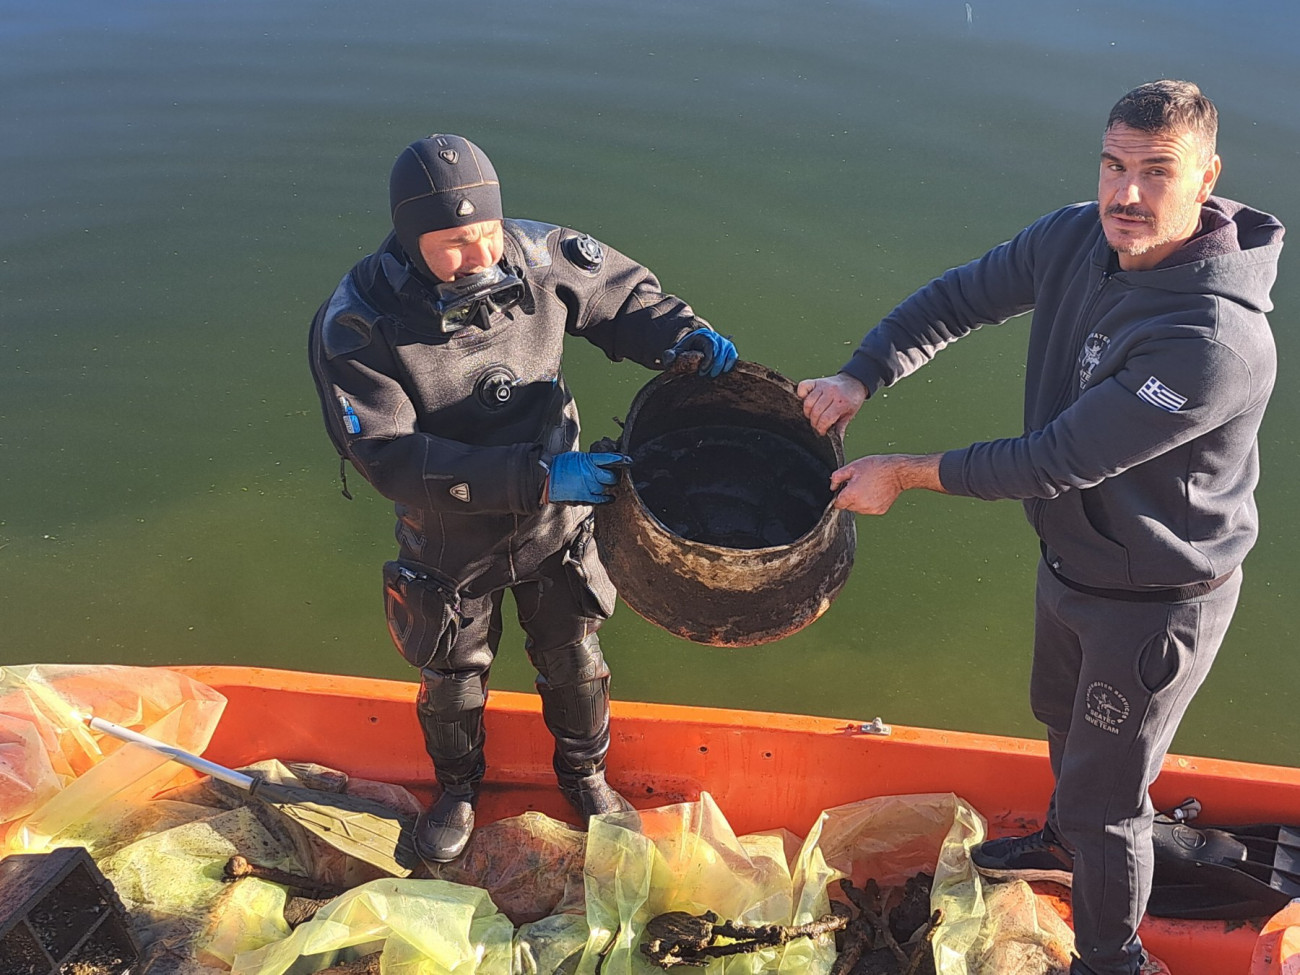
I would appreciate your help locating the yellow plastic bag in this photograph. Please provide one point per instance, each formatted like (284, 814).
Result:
(248, 916)
(553, 944)
(985, 929)
(686, 858)
(423, 927)
(171, 883)
(170, 874)
(56, 775)
(890, 838)
(531, 865)
(1021, 936)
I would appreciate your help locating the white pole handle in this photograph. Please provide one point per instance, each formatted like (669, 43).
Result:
(237, 779)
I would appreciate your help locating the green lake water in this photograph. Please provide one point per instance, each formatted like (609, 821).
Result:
(184, 182)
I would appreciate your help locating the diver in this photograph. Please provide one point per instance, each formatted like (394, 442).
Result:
(437, 362)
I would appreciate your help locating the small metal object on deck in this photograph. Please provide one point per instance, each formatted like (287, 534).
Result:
(58, 914)
(876, 727)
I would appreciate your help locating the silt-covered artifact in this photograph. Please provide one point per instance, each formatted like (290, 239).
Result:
(722, 530)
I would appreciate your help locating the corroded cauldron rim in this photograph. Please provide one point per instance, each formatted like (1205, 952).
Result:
(829, 514)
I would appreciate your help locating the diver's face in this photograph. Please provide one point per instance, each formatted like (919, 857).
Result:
(1150, 191)
(458, 252)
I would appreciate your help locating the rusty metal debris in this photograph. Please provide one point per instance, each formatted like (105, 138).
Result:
(307, 896)
(240, 866)
(680, 938)
(892, 932)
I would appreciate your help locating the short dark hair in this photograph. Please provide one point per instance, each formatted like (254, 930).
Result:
(1169, 106)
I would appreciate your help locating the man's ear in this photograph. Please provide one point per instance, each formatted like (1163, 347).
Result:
(1209, 178)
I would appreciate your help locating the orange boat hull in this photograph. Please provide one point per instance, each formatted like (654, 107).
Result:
(764, 770)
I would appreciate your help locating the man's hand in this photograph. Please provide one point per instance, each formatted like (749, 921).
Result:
(831, 401)
(870, 485)
(579, 478)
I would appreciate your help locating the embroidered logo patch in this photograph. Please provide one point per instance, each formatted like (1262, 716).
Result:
(1093, 348)
(459, 491)
(1107, 707)
(1158, 394)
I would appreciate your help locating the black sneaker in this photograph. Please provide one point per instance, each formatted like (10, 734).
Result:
(1037, 856)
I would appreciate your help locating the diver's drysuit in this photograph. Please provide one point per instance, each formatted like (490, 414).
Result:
(456, 424)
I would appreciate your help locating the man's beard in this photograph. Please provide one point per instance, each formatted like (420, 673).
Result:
(1161, 233)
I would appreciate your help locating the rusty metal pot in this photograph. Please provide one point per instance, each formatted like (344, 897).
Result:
(722, 530)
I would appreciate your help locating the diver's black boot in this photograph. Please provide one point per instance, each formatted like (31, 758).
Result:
(451, 716)
(577, 714)
(591, 796)
(442, 830)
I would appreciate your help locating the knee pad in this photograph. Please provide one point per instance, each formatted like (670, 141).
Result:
(578, 663)
(450, 710)
(444, 693)
(577, 716)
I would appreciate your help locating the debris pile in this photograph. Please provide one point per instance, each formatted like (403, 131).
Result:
(892, 931)
(680, 938)
(205, 880)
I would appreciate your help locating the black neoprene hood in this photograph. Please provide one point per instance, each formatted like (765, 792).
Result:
(437, 183)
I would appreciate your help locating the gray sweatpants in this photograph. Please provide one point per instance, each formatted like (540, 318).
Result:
(1111, 681)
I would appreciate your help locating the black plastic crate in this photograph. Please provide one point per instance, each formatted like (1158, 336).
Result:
(59, 914)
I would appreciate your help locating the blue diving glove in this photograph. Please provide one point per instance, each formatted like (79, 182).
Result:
(719, 351)
(579, 478)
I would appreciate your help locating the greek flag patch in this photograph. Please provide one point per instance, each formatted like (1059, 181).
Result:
(1158, 394)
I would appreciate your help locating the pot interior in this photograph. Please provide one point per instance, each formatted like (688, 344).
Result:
(732, 464)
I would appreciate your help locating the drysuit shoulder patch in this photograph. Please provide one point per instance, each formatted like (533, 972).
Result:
(533, 239)
(348, 322)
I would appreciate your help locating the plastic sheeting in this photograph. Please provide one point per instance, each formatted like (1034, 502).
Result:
(170, 884)
(531, 865)
(424, 927)
(530, 895)
(58, 776)
(158, 833)
(685, 857)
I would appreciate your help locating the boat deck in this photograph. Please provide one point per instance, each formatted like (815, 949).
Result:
(764, 770)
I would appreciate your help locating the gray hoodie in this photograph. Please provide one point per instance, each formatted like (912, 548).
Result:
(1144, 391)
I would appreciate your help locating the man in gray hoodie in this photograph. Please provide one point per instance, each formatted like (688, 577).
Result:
(1149, 366)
